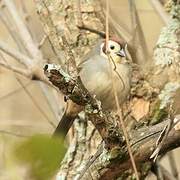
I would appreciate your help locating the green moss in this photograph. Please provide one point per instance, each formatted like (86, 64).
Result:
(124, 175)
(117, 154)
(146, 167)
(158, 114)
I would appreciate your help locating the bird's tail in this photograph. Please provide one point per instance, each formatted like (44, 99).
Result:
(70, 114)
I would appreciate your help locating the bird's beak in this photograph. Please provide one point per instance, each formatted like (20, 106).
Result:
(121, 53)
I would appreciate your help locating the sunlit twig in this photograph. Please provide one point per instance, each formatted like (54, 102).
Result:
(119, 110)
(160, 10)
(29, 94)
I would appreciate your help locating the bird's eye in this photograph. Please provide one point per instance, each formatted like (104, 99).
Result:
(112, 47)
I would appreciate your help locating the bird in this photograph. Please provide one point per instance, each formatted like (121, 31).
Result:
(97, 77)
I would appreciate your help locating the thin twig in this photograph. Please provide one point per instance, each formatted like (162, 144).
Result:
(119, 27)
(4, 16)
(26, 61)
(13, 134)
(23, 31)
(37, 58)
(114, 69)
(24, 72)
(136, 28)
(15, 91)
(51, 100)
(80, 23)
(161, 139)
(42, 41)
(36, 104)
(15, 54)
(90, 29)
(119, 110)
(160, 10)
(31, 97)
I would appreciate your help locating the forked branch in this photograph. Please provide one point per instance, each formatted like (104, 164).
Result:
(116, 159)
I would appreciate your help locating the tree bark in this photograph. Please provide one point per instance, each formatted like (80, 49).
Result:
(160, 88)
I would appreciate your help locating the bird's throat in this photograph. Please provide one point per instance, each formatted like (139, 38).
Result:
(115, 58)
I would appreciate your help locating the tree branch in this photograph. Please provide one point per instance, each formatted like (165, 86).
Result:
(74, 89)
(116, 159)
(160, 10)
(23, 31)
(143, 142)
(15, 54)
(18, 70)
(22, 36)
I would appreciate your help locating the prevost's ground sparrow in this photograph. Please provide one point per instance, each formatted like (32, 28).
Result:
(97, 77)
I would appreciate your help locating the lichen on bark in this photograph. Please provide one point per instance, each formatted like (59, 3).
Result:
(60, 18)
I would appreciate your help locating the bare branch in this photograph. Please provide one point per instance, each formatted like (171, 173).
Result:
(29, 94)
(15, 91)
(70, 59)
(52, 101)
(23, 31)
(18, 70)
(42, 41)
(160, 10)
(138, 39)
(36, 104)
(36, 71)
(74, 89)
(35, 53)
(142, 143)
(4, 16)
(119, 110)
(15, 54)
(13, 134)
(33, 73)
(90, 29)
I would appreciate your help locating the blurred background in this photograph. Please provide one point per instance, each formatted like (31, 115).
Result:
(27, 111)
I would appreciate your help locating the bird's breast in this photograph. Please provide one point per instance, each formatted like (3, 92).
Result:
(98, 79)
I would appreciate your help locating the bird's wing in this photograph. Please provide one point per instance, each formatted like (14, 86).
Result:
(89, 56)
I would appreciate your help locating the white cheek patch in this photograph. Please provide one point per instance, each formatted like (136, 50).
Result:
(101, 51)
(113, 52)
(103, 54)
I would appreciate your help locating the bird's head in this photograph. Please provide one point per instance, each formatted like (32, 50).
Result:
(116, 50)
